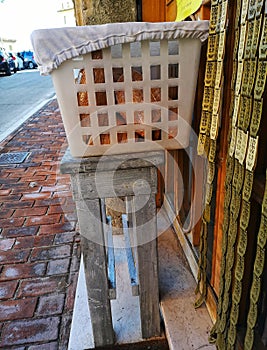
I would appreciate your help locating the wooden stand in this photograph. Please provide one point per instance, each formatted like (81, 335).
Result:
(133, 176)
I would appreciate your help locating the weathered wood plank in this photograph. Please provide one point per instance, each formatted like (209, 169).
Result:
(146, 234)
(120, 183)
(130, 257)
(71, 165)
(94, 255)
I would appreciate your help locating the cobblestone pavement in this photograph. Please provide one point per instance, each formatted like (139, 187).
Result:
(39, 247)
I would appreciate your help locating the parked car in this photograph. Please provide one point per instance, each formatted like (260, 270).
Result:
(7, 64)
(28, 59)
(17, 60)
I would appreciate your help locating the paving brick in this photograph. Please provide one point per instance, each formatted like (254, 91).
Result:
(69, 217)
(76, 257)
(47, 202)
(30, 211)
(64, 237)
(71, 291)
(14, 256)
(15, 205)
(64, 331)
(57, 267)
(7, 289)
(47, 346)
(36, 178)
(65, 208)
(57, 228)
(61, 251)
(43, 241)
(50, 305)
(11, 198)
(55, 209)
(21, 231)
(16, 309)
(57, 188)
(11, 222)
(62, 194)
(24, 188)
(30, 331)
(42, 195)
(5, 192)
(24, 242)
(43, 219)
(19, 271)
(7, 244)
(41, 286)
(6, 213)
(35, 191)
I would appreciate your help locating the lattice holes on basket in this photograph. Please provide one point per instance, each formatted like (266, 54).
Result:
(127, 95)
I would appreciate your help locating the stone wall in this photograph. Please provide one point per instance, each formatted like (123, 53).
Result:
(104, 11)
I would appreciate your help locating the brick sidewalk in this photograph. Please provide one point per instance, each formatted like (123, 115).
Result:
(39, 247)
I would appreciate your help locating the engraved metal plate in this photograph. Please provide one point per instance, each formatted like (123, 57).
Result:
(212, 151)
(242, 242)
(247, 187)
(256, 36)
(249, 338)
(232, 334)
(238, 144)
(207, 98)
(240, 267)
(244, 11)
(256, 117)
(259, 261)
(219, 74)
(239, 75)
(263, 40)
(201, 144)
(249, 40)
(225, 304)
(213, 19)
(245, 215)
(264, 201)
(252, 153)
(234, 313)
(242, 40)
(252, 9)
(214, 126)
(245, 78)
(252, 315)
(221, 45)
(255, 289)
(233, 142)
(208, 196)
(223, 14)
(210, 73)
(236, 110)
(252, 75)
(244, 145)
(262, 235)
(212, 47)
(204, 122)
(259, 6)
(260, 79)
(237, 291)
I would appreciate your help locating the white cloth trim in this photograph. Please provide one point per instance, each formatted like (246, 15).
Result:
(54, 46)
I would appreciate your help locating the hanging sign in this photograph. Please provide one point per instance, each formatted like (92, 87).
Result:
(186, 8)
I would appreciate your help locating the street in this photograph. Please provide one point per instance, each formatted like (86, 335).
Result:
(21, 95)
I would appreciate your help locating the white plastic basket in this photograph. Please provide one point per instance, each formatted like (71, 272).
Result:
(143, 101)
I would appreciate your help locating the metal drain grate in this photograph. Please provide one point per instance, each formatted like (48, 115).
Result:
(13, 157)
